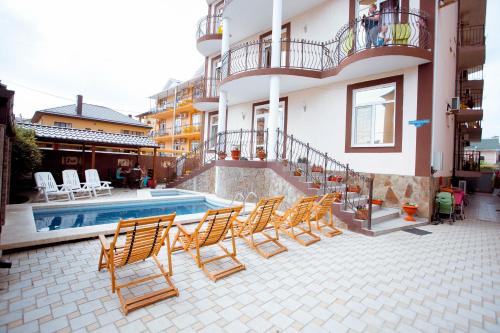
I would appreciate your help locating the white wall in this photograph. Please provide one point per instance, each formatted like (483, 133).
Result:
(444, 86)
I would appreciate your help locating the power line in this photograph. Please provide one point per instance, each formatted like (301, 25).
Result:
(56, 96)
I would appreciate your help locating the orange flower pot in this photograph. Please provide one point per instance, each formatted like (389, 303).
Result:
(377, 202)
(410, 211)
(261, 155)
(235, 154)
(222, 156)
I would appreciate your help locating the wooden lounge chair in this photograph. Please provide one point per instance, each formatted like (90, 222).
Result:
(293, 219)
(48, 188)
(94, 182)
(261, 217)
(319, 213)
(72, 183)
(217, 222)
(144, 239)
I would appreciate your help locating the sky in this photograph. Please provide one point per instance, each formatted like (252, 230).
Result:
(117, 53)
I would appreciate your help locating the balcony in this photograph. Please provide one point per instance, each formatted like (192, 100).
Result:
(472, 46)
(468, 164)
(163, 133)
(188, 131)
(206, 94)
(209, 35)
(246, 67)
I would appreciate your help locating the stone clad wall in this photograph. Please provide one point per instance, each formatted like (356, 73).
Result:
(396, 190)
(204, 182)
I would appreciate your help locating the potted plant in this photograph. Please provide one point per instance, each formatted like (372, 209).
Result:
(222, 155)
(337, 196)
(410, 210)
(361, 213)
(297, 172)
(316, 182)
(235, 153)
(284, 162)
(354, 188)
(261, 154)
(335, 178)
(377, 201)
(316, 168)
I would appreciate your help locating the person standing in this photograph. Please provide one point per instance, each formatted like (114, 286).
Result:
(370, 23)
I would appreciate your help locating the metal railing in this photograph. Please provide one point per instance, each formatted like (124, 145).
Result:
(471, 74)
(472, 98)
(317, 169)
(209, 25)
(468, 161)
(161, 132)
(472, 35)
(187, 129)
(206, 88)
(406, 28)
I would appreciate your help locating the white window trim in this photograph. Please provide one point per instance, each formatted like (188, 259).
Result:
(353, 126)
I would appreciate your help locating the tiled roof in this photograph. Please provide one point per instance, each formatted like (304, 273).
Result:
(486, 144)
(94, 112)
(86, 136)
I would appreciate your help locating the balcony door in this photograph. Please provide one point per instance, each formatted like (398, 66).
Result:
(266, 45)
(261, 121)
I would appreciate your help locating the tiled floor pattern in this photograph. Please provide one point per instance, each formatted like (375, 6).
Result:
(447, 281)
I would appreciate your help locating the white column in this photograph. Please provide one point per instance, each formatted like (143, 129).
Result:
(223, 94)
(274, 89)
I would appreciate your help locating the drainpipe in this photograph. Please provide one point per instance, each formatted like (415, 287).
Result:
(274, 86)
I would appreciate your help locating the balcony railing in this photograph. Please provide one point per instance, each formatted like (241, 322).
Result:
(472, 98)
(162, 132)
(468, 161)
(187, 129)
(472, 35)
(206, 88)
(209, 25)
(403, 29)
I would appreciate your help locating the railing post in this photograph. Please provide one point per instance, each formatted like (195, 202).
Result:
(370, 197)
(307, 161)
(322, 51)
(277, 143)
(346, 185)
(290, 156)
(241, 138)
(217, 143)
(266, 133)
(324, 171)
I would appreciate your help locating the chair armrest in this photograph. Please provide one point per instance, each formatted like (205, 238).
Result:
(105, 182)
(104, 242)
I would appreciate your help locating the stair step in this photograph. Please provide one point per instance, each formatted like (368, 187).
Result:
(393, 225)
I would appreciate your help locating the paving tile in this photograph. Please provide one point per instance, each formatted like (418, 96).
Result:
(82, 321)
(54, 325)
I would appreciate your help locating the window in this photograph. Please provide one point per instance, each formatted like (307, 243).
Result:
(213, 129)
(373, 116)
(125, 132)
(62, 124)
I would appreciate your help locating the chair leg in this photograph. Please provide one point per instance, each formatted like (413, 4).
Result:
(101, 256)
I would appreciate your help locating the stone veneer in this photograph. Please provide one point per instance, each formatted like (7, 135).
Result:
(204, 182)
(396, 190)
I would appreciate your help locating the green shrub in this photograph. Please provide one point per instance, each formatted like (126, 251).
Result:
(26, 157)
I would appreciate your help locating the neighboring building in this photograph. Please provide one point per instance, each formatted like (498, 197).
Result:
(90, 117)
(488, 149)
(177, 124)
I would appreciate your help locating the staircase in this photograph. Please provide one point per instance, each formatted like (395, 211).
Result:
(309, 170)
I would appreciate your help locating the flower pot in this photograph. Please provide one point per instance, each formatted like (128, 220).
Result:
(316, 168)
(410, 211)
(377, 202)
(354, 188)
(235, 154)
(222, 155)
(297, 173)
(285, 162)
(316, 185)
(261, 154)
(361, 214)
(337, 197)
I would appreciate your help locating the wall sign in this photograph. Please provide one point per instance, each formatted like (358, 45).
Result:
(419, 123)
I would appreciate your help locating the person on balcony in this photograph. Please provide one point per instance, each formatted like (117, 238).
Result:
(382, 37)
(370, 23)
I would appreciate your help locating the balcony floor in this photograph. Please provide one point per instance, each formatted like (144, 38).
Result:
(444, 281)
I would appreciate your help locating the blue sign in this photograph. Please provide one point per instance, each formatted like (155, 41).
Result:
(419, 123)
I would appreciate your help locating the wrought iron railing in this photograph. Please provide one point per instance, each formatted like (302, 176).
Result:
(406, 28)
(468, 161)
(209, 25)
(206, 88)
(317, 169)
(472, 35)
(472, 98)
(162, 132)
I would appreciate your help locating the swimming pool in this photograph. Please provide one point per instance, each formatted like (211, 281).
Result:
(169, 193)
(49, 219)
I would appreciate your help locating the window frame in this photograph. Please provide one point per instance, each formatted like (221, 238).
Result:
(373, 124)
(396, 147)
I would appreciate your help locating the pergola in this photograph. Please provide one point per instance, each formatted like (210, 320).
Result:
(94, 139)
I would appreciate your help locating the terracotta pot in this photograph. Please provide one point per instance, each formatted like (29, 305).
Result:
(261, 154)
(316, 168)
(362, 214)
(297, 173)
(354, 188)
(410, 211)
(222, 156)
(316, 185)
(377, 202)
(338, 197)
(235, 154)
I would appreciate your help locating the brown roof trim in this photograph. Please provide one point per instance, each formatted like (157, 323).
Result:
(398, 121)
(38, 114)
(374, 52)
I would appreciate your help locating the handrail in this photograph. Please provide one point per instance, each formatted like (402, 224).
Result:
(209, 25)
(318, 169)
(206, 88)
(471, 35)
(406, 28)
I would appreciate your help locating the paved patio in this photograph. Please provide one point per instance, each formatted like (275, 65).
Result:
(441, 282)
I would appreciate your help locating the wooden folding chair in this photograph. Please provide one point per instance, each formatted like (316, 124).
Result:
(144, 238)
(293, 219)
(217, 222)
(258, 220)
(319, 212)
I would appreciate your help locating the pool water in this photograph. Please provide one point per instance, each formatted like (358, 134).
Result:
(62, 218)
(168, 193)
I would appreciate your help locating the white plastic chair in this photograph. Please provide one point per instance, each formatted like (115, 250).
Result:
(48, 188)
(72, 183)
(97, 186)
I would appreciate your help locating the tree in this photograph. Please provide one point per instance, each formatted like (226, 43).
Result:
(26, 157)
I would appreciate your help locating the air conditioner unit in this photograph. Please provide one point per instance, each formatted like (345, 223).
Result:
(455, 103)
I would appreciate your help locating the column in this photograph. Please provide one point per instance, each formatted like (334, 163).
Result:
(221, 125)
(274, 85)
